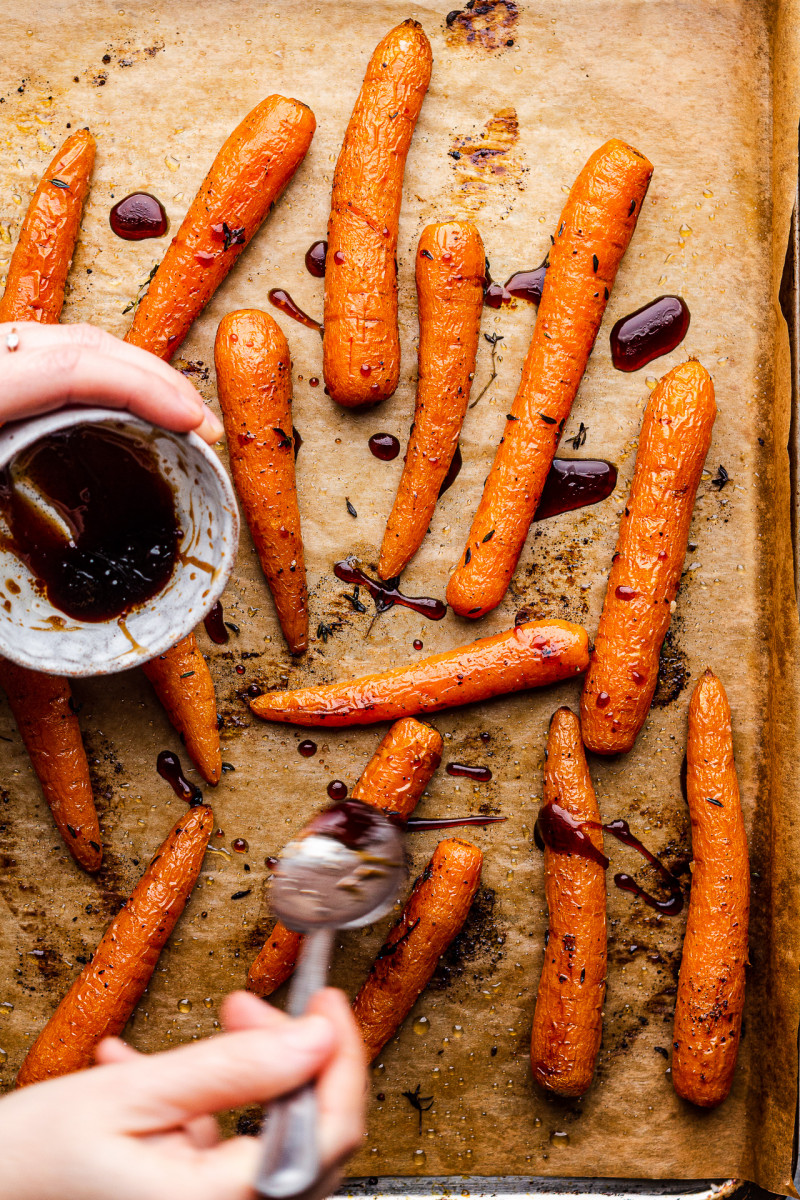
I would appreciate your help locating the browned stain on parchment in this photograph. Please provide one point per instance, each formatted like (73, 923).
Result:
(482, 161)
(484, 24)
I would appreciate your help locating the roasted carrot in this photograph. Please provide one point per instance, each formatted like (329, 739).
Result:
(434, 913)
(531, 655)
(568, 1020)
(246, 178)
(37, 273)
(450, 276)
(393, 781)
(183, 684)
(254, 383)
(708, 1008)
(595, 227)
(361, 345)
(49, 728)
(646, 568)
(108, 988)
(34, 291)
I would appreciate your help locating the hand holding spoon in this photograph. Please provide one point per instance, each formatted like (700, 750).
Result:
(344, 870)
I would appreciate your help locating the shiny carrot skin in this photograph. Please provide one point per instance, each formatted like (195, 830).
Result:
(434, 913)
(182, 681)
(392, 781)
(710, 1000)
(108, 988)
(594, 231)
(531, 655)
(361, 344)
(246, 178)
(450, 274)
(646, 568)
(568, 1020)
(49, 728)
(37, 273)
(254, 383)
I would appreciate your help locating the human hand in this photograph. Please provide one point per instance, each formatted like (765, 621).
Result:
(55, 365)
(139, 1127)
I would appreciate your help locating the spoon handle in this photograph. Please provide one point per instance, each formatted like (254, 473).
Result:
(290, 1144)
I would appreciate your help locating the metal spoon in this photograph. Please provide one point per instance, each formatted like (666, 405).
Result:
(344, 870)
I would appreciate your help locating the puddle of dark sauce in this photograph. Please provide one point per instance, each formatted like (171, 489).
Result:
(575, 483)
(479, 774)
(214, 622)
(315, 259)
(418, 824)
(119, 553)
(456, 462)
(137, 217)
(169, 767)
(558, 829)
(349, 821)
(649, 332)
(522, 285)
(384, 446)
(386, 595)
(281, 299)
(298, 441)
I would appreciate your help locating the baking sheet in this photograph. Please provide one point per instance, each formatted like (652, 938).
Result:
(707, 90)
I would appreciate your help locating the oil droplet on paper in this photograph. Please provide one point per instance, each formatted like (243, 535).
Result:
(184, 1006)
(421, 1025)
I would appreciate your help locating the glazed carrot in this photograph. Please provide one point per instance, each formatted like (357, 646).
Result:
(708, 1009)
(108, 988)
(393, 781)
(183, 684)
(361, 345)
(568, 1020)
(434, 913)
(593, 233)
(248, 175)
(531, 655)
(450, 276)
(49, 728)
(646, 568)
(254, 382)
(37, 273)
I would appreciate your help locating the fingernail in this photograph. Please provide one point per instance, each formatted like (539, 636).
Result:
(210, 428)
(309, 1034)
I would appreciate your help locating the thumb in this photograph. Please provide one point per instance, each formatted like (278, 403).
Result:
(160, 1091)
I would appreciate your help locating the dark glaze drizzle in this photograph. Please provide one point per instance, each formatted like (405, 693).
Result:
(137, 217)
(456, 462)
(386, 595)
(169, 767)
(337, 789)
(214, 622)
(479, 774)
(118, 554)
(350, 822)
(307, 748)
(384, 446)
(649, 332)
(558, 829)
(522, 285)
(418, 824)
(575, 483)
(281, 299)
(315, 259)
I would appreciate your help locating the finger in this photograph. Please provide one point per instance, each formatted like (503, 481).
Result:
(342, 1085)
(114, 1050)
(202, 1132)
(160, 1091)
(243, 1010)
(53, 376)
(33, 336)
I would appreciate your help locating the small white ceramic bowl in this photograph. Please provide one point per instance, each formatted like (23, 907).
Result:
(209, 517)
